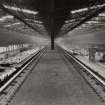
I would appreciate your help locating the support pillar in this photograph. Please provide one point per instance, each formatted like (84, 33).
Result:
(52, 12)
(52, 41)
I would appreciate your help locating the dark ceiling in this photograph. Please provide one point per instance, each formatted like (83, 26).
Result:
(54, 13)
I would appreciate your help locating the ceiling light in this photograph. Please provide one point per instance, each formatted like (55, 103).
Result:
(101, 14)
(79, 10)
(2, 19)
(19, 9)
(86, 9)
(12, 24)
(93, 22)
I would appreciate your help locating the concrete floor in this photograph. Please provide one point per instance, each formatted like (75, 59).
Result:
(53, 83)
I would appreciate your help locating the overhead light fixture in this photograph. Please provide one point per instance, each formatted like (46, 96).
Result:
(19, 9)
(93, 22)
(12, 24)
(97, 6)
(36, 21)
(79, 10)
(86, 9)
(2, 19)
(74, 20)
(83, 25)
(39, 22)
(102, 14)
(68, 21)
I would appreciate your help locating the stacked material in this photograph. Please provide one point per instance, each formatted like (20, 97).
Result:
(8, 65)
(20, 57)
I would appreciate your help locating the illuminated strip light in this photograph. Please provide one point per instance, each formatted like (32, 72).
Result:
(68, 21)
(93, 22)
(79, 10)
(39, 22)
(12, 24)
(86, 9)
(102, 14)
(36, 21)
(19, 9)
(88, 23)
(2, 19)
(96, 18)
(73, 20)
(83, 26)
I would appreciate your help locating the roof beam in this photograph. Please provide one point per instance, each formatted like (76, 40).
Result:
(86, 19)
(19, 18)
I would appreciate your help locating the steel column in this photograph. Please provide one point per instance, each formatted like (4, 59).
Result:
(52, 41)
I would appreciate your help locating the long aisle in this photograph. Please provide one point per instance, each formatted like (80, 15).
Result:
(52, 82)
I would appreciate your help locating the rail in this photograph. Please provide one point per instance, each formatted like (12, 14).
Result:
(23, 67)
(94, 74)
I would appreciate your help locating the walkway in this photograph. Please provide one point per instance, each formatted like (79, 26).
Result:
(54, 82)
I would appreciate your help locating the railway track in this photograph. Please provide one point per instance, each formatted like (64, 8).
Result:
(92, 78)
(9, 88)
(57, 78)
